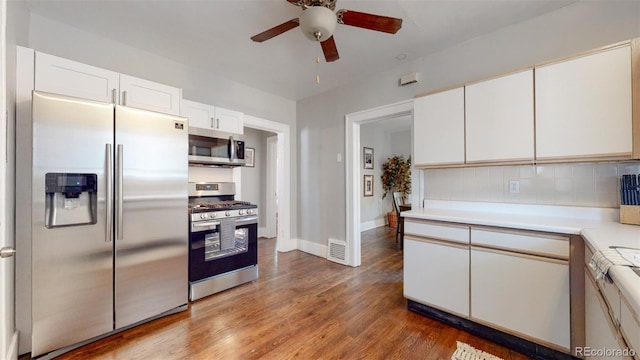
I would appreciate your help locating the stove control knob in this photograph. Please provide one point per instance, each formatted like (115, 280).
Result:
(227, 213)
(203, 216)
(249, 211)
(240, 212)
(212, 215)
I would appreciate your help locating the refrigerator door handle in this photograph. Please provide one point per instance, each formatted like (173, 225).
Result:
(109, 192)
(119, 224)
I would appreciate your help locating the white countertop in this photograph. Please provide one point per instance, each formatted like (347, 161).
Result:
(599, 227)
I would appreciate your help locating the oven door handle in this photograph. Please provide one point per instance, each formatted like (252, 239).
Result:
(205, 224)
(248, 220)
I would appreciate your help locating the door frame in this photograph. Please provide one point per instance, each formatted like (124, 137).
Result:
(8, 333)
(271, 205)
(353, 122)
(283, 175)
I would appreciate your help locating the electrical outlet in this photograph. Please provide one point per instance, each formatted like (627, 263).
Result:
(514, 186)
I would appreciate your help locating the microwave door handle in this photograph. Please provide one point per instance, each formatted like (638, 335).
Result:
(232, 148)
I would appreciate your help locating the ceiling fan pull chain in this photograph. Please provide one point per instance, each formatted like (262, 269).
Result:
(318, 75)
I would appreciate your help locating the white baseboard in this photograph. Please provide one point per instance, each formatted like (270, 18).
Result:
(312, 248)
(288, 246)
(12, 351)
(368, 225)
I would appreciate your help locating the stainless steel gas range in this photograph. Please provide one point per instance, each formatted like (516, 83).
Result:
(223, 239)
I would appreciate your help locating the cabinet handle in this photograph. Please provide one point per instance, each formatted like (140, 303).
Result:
(212, 126)
(124, 98)
(114, 95)
(7, 251)
(524, 255)
(217, 123)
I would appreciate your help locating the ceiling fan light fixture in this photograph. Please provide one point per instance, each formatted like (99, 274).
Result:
(318, 23)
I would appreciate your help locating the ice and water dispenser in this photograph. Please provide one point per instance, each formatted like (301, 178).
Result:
(71, 199)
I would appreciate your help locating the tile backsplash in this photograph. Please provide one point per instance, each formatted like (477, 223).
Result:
(579, 184)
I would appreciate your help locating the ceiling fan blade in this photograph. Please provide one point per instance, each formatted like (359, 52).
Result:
(369, 21)
(329, 49)
(294, 2)
(276, 30)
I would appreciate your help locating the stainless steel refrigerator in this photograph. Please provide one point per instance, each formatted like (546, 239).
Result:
(109, 218)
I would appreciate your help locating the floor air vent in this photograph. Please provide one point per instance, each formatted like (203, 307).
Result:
(337, 251)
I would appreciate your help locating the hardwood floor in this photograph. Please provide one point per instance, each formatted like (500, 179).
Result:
(302, 306)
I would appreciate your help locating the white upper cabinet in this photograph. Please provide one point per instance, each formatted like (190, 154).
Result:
(199, 115)
(61, 76)
(438, 129)
(149, 95)
(211, 117)
(229, 121)
(583, 107)
(499, 119)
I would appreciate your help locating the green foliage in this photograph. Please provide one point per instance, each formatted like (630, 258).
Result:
(396, 175)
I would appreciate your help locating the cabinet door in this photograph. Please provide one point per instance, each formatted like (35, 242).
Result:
(437, 274)
(149, 95)
(499, 119)
(583, 107)
(229, 121)
(199, 115)
(61, 76)
(526, 294)
(438, 128)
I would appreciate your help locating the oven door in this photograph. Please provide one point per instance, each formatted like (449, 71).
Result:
(218, 247)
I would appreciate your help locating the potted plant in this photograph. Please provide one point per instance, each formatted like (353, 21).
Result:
(396, 176)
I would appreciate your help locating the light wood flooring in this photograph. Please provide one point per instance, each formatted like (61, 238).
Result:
(304, 307)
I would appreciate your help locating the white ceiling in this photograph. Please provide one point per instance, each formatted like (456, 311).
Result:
(214, 35)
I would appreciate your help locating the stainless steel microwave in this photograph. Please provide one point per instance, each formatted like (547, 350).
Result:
(209, 147)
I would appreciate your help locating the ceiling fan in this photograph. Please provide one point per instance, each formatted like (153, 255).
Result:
(318, 21)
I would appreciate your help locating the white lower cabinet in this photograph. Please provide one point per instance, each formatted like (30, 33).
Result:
(522, 294)
(600, 332)
(437, 273)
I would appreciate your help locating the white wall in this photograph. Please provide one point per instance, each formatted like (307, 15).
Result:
(372, 208)
(385, 142)
(401, 143)
(321, 124)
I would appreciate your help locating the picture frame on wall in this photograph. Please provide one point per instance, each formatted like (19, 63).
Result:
(367, 157)
(250, 157)
(368, 185)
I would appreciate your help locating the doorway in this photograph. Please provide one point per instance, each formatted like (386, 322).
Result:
(282, 186)
(353, 149)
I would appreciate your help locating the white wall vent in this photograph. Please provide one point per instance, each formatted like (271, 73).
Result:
(337, 251)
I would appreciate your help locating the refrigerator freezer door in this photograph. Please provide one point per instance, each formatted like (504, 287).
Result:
(72, 266)
(151, 269)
